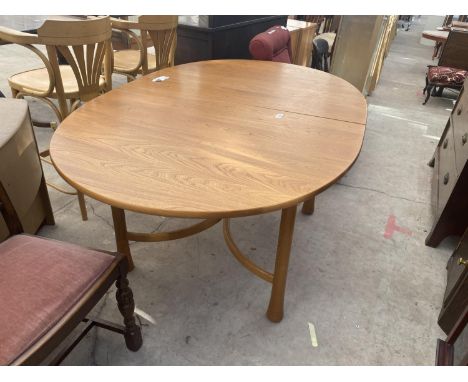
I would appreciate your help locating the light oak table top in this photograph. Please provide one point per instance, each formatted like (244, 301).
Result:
(217, 139)
(436, 35)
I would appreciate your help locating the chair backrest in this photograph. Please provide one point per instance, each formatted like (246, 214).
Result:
(272, 45)
(455, 51)
(163, 33)
(86, 47)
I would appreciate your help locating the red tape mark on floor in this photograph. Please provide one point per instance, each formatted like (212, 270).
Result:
(392, 227)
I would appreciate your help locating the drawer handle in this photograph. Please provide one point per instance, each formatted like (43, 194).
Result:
(464, 138)
(446, 178)
(445, 143)
(462, 262)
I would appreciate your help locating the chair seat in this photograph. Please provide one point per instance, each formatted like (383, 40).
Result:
(37, 80)
(126, 60)
(41, 280)
(446, 76)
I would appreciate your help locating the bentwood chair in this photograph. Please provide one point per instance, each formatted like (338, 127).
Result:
(160, 31)
(48, 287)
(85, 45)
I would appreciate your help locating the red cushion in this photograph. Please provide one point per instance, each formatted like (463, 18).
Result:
(445, 75)
(272, 45)
(40, 281)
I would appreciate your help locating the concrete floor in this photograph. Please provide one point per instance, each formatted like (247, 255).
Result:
(373, 300)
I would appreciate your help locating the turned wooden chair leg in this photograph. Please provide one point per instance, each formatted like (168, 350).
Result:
(308, 206)
(82, 203)
(425, 87)
(126, 305)
(428, 93)
(121, 239)
(276, 307)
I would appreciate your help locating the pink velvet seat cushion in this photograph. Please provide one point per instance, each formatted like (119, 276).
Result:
(272, 45)
(40, 281)
(445, 75)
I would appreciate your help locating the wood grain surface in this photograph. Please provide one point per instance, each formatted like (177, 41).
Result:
(436, 35)
(217, 139)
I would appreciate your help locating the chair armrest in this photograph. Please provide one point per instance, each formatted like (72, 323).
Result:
(123, 24)
(16, 37)
(27, 40)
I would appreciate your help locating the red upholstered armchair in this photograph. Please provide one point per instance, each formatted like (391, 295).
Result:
(272, 45)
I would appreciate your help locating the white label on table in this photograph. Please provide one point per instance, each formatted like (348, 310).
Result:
(160, 79)
(279, 116)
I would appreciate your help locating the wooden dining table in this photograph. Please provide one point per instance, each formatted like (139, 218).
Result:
(215, 140)
(439, 36)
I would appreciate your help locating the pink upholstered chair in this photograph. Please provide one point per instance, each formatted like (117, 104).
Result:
(47, 288)
(272, 45)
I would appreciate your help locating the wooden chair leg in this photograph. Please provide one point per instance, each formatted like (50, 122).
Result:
(126, 305)
(428, 93)
(121, 239)
(308, 206)
(276, 307)
(425, 87)
(82, 203)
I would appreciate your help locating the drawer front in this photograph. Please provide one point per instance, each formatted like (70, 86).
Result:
(447, 175)
(460, 131)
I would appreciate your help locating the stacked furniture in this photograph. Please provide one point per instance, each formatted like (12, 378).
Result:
(387, 34)
(20, 168)
(361, 45)
(450, 179)
(302, 36)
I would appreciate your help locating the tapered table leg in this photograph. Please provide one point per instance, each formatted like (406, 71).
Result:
(308, 206)
(82, 203)
(120, 228)
(275, 309)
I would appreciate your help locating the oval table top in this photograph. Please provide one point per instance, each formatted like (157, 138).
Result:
(217, 138)
(436, 35)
